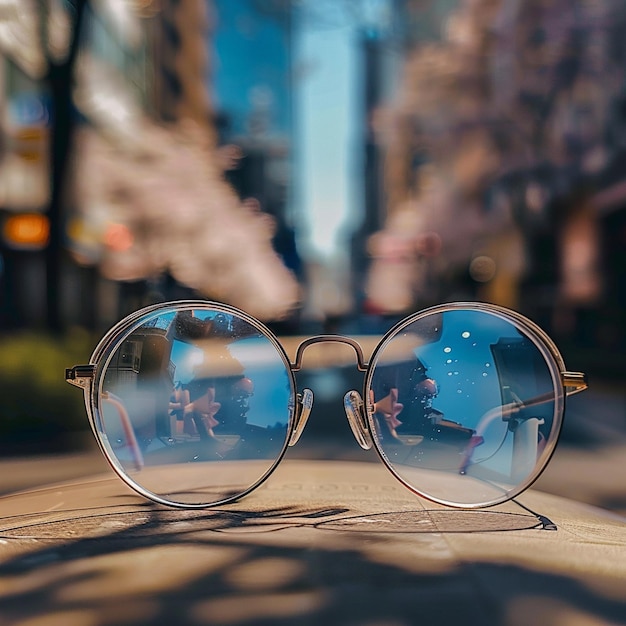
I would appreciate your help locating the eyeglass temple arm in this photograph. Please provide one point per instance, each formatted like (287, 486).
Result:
(81, 376)
(573, 382)
(127, 427)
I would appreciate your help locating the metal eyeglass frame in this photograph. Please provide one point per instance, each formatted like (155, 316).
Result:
(358, 407)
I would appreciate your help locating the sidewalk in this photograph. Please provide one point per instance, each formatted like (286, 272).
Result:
(323, 542)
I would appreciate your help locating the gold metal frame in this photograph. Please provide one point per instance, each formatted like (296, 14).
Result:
(358, 408)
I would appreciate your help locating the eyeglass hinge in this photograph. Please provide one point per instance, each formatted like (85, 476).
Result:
(574, 382)
(79, 375)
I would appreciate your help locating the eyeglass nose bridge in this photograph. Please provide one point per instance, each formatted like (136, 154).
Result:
(353, 404)
(296, 366)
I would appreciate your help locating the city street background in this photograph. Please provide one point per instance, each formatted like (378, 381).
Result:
(327, 166)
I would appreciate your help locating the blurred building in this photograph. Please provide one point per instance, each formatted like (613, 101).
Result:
(24, 160)
(115, 82)
(151, 189)
(502, 156)
(253, 93)
(179, 48)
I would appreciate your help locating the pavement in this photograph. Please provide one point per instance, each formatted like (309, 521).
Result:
(322, 542)
(331, 538)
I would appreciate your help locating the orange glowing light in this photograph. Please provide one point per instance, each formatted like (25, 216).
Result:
(27, 230)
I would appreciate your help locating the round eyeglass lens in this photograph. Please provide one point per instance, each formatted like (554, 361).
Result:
(194, 404)
(465, 405)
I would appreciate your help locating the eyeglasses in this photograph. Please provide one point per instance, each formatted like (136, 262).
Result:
(194, 403)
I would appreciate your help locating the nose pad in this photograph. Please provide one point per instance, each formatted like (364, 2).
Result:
(353, 404)
(305, 399)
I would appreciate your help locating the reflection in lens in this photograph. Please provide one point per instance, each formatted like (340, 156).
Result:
(195, 405)
(464, 405)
